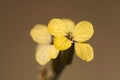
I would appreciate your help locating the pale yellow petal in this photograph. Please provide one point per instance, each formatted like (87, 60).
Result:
(83, 31)
(69, 24)
(57, 27)
(62, 43)
(53, 52)
(40, 34)
(84, 51)
(42, 55)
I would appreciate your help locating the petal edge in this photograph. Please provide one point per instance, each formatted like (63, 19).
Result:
(42, 56)
(40, 34)
(84, 51)
(53, 52)
(83, 31)
(62, 43)
(57, 27)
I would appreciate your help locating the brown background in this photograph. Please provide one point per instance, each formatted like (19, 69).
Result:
(17, 49)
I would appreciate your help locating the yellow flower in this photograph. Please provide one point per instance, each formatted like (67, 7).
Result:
(45, 50)
(65, 33)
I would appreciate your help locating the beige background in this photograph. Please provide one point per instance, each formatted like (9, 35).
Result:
(17, 49)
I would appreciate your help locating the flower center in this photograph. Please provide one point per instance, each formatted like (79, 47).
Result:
(69, 36)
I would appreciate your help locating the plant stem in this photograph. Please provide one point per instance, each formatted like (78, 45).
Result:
(64, 58)
(58, 65)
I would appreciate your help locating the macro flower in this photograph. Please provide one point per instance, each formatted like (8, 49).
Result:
(45, 50)
(66, 33)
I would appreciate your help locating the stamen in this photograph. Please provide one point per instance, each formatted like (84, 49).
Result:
(51, 40)
(69, 36)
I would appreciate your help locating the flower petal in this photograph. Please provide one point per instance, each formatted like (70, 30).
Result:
(69, 24)
(53, 52)
(83, 31)
(84, 51)
(42, 56)
(62, 43)
(40, 34)
(57, 27)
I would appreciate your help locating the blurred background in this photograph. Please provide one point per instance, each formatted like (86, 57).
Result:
(17, 49)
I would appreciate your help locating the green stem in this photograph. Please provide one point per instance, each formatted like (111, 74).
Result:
(64, 58)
